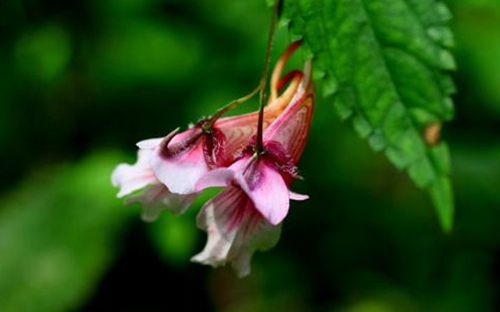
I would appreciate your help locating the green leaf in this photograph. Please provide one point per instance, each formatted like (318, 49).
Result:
(383, 63)
(59, 233)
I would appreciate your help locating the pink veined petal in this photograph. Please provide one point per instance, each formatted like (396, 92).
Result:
(241, 163)
(215, 178)
(291, 128)
(297, 196)
(237, 131)
(131, 178)
(268, 191)
(219, 218)
(235, 231)
(181, 172)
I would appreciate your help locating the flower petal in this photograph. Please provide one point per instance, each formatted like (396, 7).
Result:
(156, 198)
(267, 189)
(216, 178)
(297, 196)
(181, 171)
(149, 143)
(278, 68)
(235, 231)
(291, 128)
(131, 178)
(238, 131)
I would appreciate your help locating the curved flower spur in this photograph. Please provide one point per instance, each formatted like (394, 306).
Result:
(168, 168)
(246, 216)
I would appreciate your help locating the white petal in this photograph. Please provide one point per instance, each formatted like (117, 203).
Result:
(149, 143)
(131, 178)
(297, 196)
(156, 198)
(235, 231)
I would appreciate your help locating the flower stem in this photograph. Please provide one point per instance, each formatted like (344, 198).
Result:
(260, 87)
(263, 80)
(232, 105)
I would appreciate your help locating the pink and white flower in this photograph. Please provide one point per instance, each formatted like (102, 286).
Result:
(182, 159)
(168, 168)
(246, 216)
(221, 152)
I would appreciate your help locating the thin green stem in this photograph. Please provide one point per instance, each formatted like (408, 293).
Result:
(260, 87)
(232, 105)
(263, 81)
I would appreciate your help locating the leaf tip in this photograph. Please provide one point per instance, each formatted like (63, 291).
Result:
(442, 198)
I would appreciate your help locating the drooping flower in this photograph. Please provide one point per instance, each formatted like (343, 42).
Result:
(245, 217)
(182, 159)
(168, 168)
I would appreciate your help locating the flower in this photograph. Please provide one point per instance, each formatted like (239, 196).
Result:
(257, 172)
(246, 216)
(182, 159)
(155, 197)
(168, 168)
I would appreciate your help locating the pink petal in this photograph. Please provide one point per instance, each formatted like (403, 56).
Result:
(181, 172)
(235, 231)
(237, 131)
(216, 178)
(179, 138)
(268, 191)
(291, 128)
(131, 178)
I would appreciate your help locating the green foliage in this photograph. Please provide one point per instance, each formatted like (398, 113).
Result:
(135, 49)
(58, 234)
(476, 25)
(384, 63)
(44, 54)
(174, 238)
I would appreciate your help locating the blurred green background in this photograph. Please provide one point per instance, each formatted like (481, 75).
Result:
(82, 81)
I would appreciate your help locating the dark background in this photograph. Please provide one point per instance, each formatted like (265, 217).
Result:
(82, 81)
